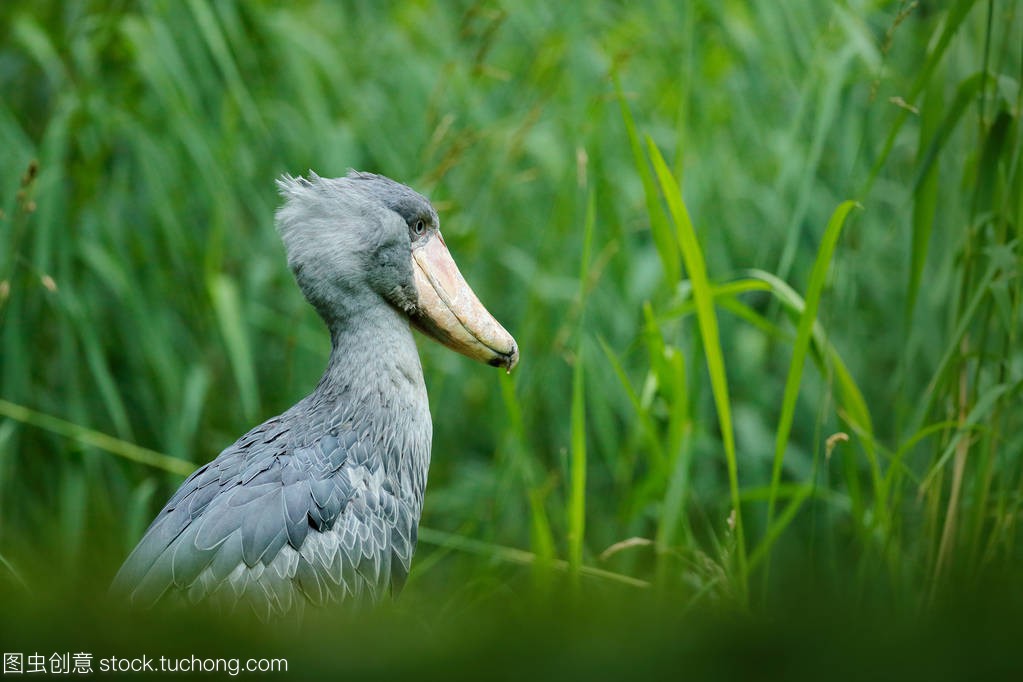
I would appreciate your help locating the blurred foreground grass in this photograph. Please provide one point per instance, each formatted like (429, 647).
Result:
(615, 637)
(805, 369)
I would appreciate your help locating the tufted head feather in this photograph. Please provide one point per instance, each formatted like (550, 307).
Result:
(347, 240)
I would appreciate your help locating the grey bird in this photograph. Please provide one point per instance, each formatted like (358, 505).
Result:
(322, 502)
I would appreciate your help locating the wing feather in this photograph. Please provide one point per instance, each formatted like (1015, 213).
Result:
(272, 526)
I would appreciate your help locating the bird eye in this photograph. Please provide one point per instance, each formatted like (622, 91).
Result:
(419, 228)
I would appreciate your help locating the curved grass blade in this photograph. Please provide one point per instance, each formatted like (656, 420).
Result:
(721, 292)
(703, 294)
(854, 407)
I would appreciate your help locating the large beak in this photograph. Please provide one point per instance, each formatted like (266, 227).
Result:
(450, 312)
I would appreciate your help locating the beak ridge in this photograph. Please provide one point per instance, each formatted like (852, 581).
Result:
(450, 312)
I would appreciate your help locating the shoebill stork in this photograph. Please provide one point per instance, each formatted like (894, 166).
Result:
(322, 503)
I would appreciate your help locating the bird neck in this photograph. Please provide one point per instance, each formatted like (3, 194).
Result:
(373, 382)
(373, 386)
(373, 351)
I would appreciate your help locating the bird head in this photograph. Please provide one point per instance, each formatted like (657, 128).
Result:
(363, 238)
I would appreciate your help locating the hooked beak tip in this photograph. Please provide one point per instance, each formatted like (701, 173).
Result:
(507, 360)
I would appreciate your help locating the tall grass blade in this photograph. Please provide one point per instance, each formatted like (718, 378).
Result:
(925, 202)
(659, 228)
(854, 406)
(577, 490)
(953, 21)
(801, 347)
(703, 294)
(930, 394)
(983, 407)
(541, 535)
(966, 94)
(227, 306)
(778, 526)
(577, 466)
(641, 413)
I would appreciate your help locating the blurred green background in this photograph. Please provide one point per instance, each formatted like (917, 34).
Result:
(786, 395)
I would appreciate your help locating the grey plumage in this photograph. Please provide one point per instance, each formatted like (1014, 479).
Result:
(322, 502)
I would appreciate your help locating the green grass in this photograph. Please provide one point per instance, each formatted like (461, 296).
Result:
(730, 383)
(706, 315)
